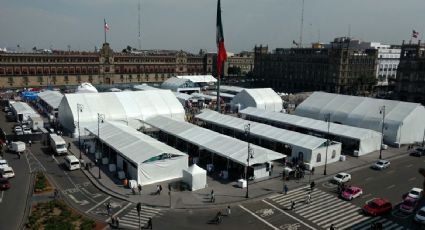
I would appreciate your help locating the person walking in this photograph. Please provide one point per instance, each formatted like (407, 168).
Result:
(308, 200)
(157, 190)
(312, 184)
(292, 205)
(139, 187)
(29, 143)
(312, 171)
(150, 223)
(229, 211)
(108, 208)
(332, 227)
(285, 189)
(160, 189)
(117, 222)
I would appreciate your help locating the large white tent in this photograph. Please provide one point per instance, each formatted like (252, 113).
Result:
(49, 101)
(23, 111)
(195, 177)
(262, 98)
(86, 87)
(128, 107)
(147, 160)
(404, 121)
(180, 85)
(199, 78)
(368, 140)
(303, 146)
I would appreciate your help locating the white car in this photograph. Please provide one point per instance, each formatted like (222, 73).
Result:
(3, 164)
(26, 130)
(342, 177)
(7, 172)
(415, 193)
(381, 164)
(18, 130)
(420, 216)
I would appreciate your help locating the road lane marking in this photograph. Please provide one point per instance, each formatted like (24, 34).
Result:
(1, 197)
(103, 201)
(391, 186)
(82, 202)
(367, 195)
(413, 178)
(259, 218)
(115, 214)
(293, 217)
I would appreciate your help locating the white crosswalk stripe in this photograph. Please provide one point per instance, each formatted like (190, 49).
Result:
(326, 209)
(131, 218)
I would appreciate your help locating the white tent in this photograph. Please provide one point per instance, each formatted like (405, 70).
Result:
(23, 111)
(199, 78)
(404, 121)
(180, 85)
(195, 177)
(130, 107)
(51, 98)
(262, 98)
(86, 87)
(141, 157)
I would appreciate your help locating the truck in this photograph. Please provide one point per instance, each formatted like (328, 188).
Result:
(58, 144)
(17, 147)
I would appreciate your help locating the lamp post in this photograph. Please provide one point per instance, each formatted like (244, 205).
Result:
(80, 108)
(328, 119)
(250, 154)
(100, 118)
(382, 111)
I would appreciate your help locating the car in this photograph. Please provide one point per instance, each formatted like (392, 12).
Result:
(342, 178)
(7, 172)
(420, 216)
(409, 205)
(3, 164)
(351, 192)
(26, 130)
(417, 153)
(377, 206)
(4, 184)
(381, 164)
(415, 193)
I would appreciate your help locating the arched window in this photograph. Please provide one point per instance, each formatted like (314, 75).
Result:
(319, 157)
(333, 154)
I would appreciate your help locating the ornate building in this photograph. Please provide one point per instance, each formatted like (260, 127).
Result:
(62, 68)
(239, 64)
(410, 81)
(335, 69)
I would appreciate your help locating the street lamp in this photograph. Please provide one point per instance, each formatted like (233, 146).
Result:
(249, 156)
(80, 108)
(100, 118)
(328, 119)
(382, 111)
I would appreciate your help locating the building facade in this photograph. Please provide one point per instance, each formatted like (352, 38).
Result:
(337, 68)
(239, 64)
(62, 68)
(410, 81)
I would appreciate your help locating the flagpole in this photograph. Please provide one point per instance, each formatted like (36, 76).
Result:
(218, 92)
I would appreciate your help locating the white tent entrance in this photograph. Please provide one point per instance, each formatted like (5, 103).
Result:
(195, 177)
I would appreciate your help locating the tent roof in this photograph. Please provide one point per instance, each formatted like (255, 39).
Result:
(183, 96)
(145, 87)
(311, 124)
(265, 98)
(195, 169)
(199, 78)
(86, 87)
(262, 130)
(225, 146)
(356, 111)
(230, 88)
(173, 83)
(214, 93)
(132, 144)
(52, 98)
(23, 108)
(209, 97)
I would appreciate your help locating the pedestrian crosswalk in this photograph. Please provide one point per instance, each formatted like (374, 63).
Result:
(326, 209)
(131, 218)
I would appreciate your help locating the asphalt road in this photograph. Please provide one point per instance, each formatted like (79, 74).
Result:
(13, 201)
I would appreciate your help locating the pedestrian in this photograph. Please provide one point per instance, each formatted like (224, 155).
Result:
(312, 171)
(69, 146)
(218, 217)
(108, 208)
(117, 222)
(157, 190)
(312, 184)
(140, 189)
(292, 205)
(160, 189)
(285, 189)
(308, 200)
(332, 227)
(228, 211)
(56, 194)
(19, 155)
(150, 223)
(29, 143)
(113, 221)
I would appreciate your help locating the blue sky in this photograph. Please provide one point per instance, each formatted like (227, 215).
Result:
(190, 24)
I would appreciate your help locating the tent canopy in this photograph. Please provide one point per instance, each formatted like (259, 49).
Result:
(262, 98)
(23, 108)
(195, 176)
(231, 89)
(86, 87)
(145, 87)
(261, 130)
(222, 145)
(130, 143)
(175, 83)
(52, 98)
(199, 78)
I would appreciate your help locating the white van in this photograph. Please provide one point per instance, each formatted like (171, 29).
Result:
(7, 172)
(58, 144)
(72, 162)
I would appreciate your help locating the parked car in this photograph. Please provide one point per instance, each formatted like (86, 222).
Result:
(415, 193)
(381, 164)
(3, 164)
(7, 172)
(17, 129)
(377, 206)
(417, 153)
(26, 129)
(351, 192)
(4, 184)
(420, 216)
(409, 205)
(342, 178)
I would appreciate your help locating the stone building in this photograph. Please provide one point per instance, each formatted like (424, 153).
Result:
(64, 68)
(410, 81)
(239, 64)
(337, 68)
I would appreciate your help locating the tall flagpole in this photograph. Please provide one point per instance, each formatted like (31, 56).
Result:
(218, 90)
(221, 54)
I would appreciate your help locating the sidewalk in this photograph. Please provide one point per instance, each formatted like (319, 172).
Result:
(225, 192)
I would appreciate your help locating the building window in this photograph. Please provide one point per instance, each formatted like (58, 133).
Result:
(319, 157)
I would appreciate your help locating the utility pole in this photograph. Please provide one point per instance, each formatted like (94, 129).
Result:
(80, 108)
(302, 25)
(382, 111)
(328, 119)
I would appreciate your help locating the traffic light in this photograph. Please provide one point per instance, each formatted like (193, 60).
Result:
(139, 207)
